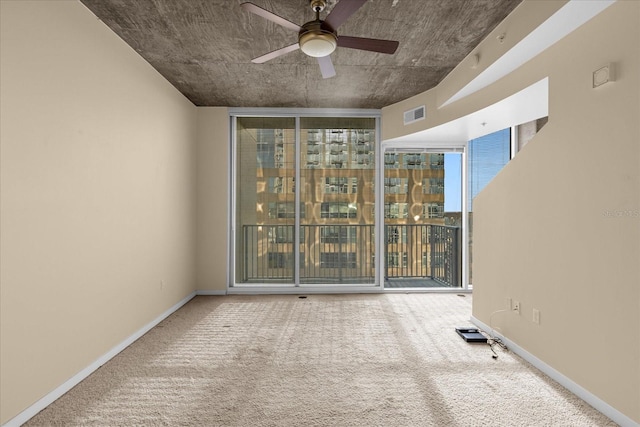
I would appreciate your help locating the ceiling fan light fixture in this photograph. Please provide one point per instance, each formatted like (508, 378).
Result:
(318, 44)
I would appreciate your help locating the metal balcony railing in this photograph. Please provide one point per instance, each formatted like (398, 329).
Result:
(346, 253)
(414, 251)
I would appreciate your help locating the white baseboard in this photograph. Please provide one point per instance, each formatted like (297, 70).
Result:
(32, 410)
(599, 404)
(208, 292)
(570, 385)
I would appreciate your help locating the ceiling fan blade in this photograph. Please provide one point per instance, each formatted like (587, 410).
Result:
(250, 7)
(373, 45)
(342, 11)
(276, 53)
(326, 67)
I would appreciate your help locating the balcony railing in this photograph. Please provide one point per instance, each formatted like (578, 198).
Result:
(414, 251)
(346, 253)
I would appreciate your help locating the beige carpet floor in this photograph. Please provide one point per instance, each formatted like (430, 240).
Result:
(325, 360)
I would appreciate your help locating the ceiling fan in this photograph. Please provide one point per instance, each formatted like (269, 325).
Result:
(319, 38)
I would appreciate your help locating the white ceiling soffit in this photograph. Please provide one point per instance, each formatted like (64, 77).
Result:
(564, 21)
(529, 104)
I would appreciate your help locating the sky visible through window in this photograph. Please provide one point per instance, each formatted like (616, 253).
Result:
(452, 182)
(487, 155)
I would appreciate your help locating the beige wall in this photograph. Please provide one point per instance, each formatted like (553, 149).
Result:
(213, 163)
(559, 228)
(97, 201)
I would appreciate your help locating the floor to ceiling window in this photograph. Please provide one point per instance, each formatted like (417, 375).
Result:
(422, 218)
(487, 155)
(265, 199)
(305, 204)
(304, 201)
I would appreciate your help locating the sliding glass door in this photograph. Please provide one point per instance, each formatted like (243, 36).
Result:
(304, 201)
(337, 173)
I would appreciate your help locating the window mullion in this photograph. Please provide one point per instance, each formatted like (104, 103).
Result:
(298, 203)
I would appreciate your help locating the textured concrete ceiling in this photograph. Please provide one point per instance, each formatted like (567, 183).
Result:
(204, 48)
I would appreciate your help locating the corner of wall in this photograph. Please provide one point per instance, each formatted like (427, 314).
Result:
(96, 193)
(212, 184)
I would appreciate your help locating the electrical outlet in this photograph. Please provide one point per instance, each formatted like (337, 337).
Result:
(516, 306)
(536, 316)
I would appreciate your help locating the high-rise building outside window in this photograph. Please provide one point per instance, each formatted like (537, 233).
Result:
(305, 196)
